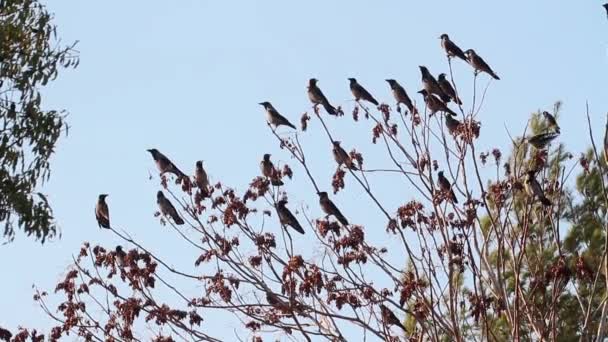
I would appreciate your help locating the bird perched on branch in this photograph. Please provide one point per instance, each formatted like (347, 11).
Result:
(330, 208)
(401, 96)
(274, 118)
(201, 178)
(451, 49)
(342, 157)
(102, 213)
(551, 121)
(287, 218)
(446, 186)
(541, 140)
(317, 97)
(167, 209)
(361, 93)
(434, 104)
(269, 171)
(451, 123)
(165, 165)
(447, 89)
(430, 84)
(389, 318)
(534, 189)
(479, 64)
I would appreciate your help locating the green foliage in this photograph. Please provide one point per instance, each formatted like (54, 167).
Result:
(30, 57)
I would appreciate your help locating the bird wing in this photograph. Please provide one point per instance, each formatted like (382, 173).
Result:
(455, 50)
(287, 218)
(366, 95)
(102, 215)
(168, 209)
(333, 209)
(281, 120)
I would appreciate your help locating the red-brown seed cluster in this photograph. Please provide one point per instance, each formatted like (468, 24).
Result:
(304, 121)
(337, 181)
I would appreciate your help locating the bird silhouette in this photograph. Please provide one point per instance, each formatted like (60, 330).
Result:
(361, 93)
(274, 118)
(287, 218)
(269, 171)
(541, 140)
(342, 157)
(401, 96)
(451, 123)
(165, 165)
(534, 189)
(479, 64)
(102, 213)
(317, 97)
(446, 186)
(434, 104)
(201, 178)
(330, 208)
(389, 318)
(167, 208)
(447, 88)
(451, 49)
(430, 84)
(551, 121)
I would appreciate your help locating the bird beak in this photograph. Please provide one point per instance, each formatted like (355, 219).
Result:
(261, 103)
(149, 150)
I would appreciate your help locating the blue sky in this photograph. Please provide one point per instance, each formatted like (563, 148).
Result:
(186, 78)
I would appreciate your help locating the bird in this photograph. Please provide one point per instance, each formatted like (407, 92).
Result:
(541, 140)
(451, 123)
(606, 141)
(165, 165)
(401, 96)
(120, 255)
(201, 178)
(606, 8)
(446, 186)
(389, 318)
(330, 208)
(276, 302)
(287, 218)
(451, 48)
(102, 213)
(447, 89)
(430, 84)
(167, 209)
(269, 171)
(342, 157)
(274, 118)
(479, 64)
(434, 104)
(317, 97)
(534, 189)
(552, 122)
(361, 93)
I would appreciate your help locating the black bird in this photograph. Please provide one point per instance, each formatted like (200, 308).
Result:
(389, 318)
(165, 165)
(317, 97)
(479, 64)
(451, 48)
(287, 218)
(102, 213)
(552, 122)
(541, 140)
(447, 89)
(200, 175)
(446, 186)
(361, 93)
(401, 96)
(274, 118)
(330, 208)
(167, 209)
(269, 171)
(434, 104)
(430, 84)
(451, 123)
(534, 189)
(342, 157)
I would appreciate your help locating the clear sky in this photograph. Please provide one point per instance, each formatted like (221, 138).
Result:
(186, 78)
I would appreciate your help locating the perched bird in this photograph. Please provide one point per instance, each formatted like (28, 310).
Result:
(164, 164)
(342, 157)
(276, 302)
(389, 318)
(287, 218)
(447, 89)
(401, 96)
(534, 189)
(446, 186)
(330, 208)
(479, 64)
(316, 96)
(451, 48)
(430, 84)
(269, 171)
(274, 118)
(552, 122)
(434, 104)
(606, 140)
(451, 123)
(120, 255)
(167, 209)
(102, 213)
(200, 175)
(361, 93)
(541, 140)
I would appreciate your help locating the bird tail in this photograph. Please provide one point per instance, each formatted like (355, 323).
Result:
(289, 124)
(329, 108)
(297, 227)
(495, 76)
(451, 112)
(453, 197)
(177, 219)
(374, 101)
(276, 182)
(458, 100)
(342, 219)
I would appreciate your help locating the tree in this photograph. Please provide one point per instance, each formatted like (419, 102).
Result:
(30, 57)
